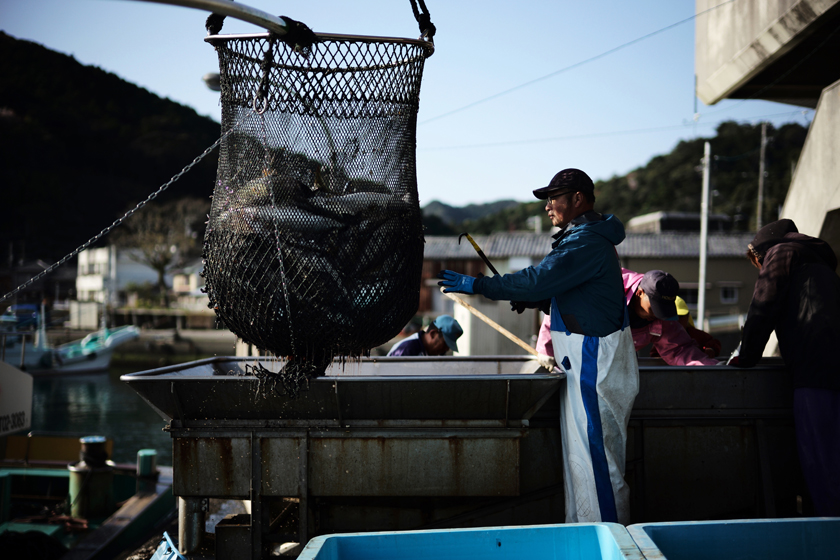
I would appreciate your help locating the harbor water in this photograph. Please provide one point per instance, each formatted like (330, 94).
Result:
(100, 404)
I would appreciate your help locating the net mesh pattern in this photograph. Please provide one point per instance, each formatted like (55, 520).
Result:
(314, 244)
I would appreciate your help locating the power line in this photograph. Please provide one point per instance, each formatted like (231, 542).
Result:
(590, 135)
(572, 66)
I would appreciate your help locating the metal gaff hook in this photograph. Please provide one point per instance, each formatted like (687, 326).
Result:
(479, 251)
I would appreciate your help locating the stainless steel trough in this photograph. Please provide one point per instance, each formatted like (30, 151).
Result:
(407, 443)
(386, 428)
(378, 389)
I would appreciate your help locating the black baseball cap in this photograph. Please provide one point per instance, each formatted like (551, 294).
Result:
(661, 289)
(771, 234)
(572, 180)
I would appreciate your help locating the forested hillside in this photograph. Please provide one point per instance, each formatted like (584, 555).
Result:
(674, 181)
(78, 145)
(442, 219)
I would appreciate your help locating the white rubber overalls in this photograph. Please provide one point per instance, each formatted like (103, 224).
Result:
(602, 380)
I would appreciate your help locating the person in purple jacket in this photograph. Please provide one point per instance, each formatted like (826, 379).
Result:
(440, 337)
(797, 294)
(651, 303)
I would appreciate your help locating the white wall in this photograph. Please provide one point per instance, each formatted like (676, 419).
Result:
(739, 39)
(815, 189)
(84, 315)
(97, 268)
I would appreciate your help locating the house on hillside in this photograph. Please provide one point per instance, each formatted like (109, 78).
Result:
(657, 222)
(105, 273)
(187, 286)
(784, 52)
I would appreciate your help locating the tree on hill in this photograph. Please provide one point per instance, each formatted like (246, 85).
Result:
(434, 225)
(674, 181)
(165, 235)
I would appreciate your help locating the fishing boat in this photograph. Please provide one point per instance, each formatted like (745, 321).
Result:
(62, 496)
(33, 353)
(20, 316)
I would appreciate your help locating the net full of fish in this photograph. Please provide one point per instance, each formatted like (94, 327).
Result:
(314, 245)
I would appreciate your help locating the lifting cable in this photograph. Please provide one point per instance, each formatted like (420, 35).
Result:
(127, 215)
(424, 20)
(299, 37)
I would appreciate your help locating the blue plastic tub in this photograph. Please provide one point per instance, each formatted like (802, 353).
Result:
(813, 538)
(589, 541)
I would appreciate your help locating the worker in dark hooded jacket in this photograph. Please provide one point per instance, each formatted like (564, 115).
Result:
(798, 294)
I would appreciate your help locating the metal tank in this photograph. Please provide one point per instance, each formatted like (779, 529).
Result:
(410, 443)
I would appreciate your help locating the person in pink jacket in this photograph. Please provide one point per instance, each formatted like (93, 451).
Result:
(653, 318)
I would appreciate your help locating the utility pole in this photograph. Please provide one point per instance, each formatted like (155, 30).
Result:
(758, 211)
(704, 237)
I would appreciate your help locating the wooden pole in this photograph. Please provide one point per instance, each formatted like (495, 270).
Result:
(546, 361)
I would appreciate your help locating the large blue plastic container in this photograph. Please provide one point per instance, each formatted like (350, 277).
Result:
(579, 541)
(813, 538)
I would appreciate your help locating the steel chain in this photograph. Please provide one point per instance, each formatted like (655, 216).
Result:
(127, 215)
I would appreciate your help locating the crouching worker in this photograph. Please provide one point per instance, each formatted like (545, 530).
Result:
(651, 304)
(581, 276)
(440, 337)
(707, 343)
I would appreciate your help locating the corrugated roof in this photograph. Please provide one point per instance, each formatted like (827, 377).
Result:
(684, 245)
(537, 245)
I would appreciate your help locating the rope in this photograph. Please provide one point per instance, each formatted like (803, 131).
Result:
(127, 215)
(298, 35)
(265, 67)
(427, 28)
(214, 23)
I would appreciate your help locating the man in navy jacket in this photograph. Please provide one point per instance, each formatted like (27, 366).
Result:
(581, 277)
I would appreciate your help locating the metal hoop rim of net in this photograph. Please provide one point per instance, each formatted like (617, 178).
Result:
(428, 46)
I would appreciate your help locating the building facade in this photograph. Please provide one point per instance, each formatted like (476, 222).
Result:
(730, 278)
(105, 273)
(784, 51)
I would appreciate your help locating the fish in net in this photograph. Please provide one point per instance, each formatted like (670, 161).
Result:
(314, 244)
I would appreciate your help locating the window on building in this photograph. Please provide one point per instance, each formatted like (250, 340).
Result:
(729, 295)
(690, 296)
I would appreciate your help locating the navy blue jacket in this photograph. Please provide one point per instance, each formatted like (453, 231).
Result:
(582, 274)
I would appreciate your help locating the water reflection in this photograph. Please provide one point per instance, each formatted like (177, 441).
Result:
(100, 404)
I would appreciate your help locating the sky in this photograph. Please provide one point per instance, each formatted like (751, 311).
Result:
(477, 141)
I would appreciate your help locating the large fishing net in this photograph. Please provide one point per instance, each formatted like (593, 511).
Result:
(314, 246)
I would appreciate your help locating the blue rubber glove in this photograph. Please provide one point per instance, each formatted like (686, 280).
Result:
(454, 282)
